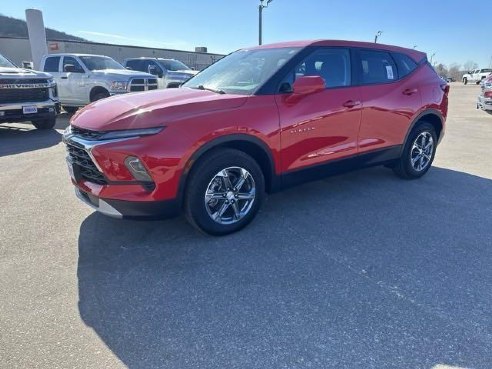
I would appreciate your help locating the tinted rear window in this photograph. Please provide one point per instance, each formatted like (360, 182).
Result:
(377, 67)
(404, 63)
(51, 64)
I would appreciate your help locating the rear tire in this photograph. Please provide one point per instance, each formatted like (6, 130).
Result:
(224, 192)
(47, 123)
(418, 152)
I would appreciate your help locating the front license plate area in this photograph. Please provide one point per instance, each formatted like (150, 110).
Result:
(29, 109)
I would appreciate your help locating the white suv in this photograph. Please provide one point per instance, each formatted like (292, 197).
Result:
(84, 78)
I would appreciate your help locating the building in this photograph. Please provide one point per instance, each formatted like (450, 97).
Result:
(18, 50)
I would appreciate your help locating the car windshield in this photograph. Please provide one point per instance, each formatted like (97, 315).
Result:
(173, 65)
(243, 71)
(100, 63)
(5, 63)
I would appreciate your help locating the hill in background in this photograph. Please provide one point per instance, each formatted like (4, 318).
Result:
(12, 27)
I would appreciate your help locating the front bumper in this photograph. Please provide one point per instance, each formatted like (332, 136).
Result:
(14, 113)
(484, 103)
(129, 209)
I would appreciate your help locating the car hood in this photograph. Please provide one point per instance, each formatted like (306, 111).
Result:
(22, 73)
(122, 73)
(152, 108)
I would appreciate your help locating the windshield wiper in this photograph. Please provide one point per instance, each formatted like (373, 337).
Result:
(202, 87)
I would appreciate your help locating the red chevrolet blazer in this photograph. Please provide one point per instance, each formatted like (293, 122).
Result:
(256, 121)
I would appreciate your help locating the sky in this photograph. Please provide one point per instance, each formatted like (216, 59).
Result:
(455, 30)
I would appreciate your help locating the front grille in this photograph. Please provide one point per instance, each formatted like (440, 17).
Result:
(143, 84)
(86, 133)
(21, 95)
(23, 81)
(85, 166)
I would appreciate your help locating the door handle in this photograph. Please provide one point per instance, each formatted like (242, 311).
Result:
(64, 77)
(351, 104)
(410, 91)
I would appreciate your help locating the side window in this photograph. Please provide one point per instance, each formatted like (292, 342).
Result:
(331, 64)
(68, 60)
(133, 64)
(377, 67)
(51, 64)
(404, 63)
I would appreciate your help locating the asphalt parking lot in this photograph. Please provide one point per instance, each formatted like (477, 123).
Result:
(362, 270)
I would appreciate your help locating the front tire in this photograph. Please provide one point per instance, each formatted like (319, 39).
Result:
(418, 153)
(465, 81)
(47, 123)
(224, 192)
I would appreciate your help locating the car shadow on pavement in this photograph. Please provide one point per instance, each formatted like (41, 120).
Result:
(361, 270)
(23, 137)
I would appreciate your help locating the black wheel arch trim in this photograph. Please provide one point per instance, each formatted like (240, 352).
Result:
(219, 141)
(422, 116)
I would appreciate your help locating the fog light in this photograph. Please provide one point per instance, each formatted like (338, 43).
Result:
(137, 169)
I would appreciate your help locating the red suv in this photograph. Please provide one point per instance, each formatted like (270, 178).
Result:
(256, 121)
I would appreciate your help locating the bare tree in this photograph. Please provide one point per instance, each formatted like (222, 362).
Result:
(470, 65)
(441, 70)
(455, 72)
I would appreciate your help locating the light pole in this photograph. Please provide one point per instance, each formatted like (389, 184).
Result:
(432, 57)
(260, 18)
(378, 33)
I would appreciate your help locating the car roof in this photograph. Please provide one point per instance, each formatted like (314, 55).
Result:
(414, 54)
(150, 57)
(74, 54)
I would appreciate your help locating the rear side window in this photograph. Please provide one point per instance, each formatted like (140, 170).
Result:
(404, 63)
(51, 64)
(377, 67)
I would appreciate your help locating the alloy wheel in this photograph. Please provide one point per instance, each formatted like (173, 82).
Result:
(421, 152)
(230, 195)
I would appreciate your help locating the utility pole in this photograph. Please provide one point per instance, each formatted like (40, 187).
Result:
(260, 19)
(378, 33)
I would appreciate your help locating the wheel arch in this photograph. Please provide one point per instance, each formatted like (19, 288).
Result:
(96, 90)
(431, 116)
(248, 144)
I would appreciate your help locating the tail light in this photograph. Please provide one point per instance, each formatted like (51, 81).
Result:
(488, 94)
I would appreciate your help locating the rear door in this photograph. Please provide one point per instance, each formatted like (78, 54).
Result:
(321, 126)
(390, 97)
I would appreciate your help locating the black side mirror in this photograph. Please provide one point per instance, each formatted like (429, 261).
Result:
(69, 68)
(154, 70)
(285, 88)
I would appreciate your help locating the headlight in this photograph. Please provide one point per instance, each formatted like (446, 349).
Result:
(118, 86)
(129, 133)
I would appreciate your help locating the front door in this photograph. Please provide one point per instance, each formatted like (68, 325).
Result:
(72, 82)
(323, 126)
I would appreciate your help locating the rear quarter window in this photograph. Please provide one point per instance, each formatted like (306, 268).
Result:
(404, 63)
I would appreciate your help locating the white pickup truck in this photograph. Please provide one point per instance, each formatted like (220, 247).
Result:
(27, 95)
(84, 78)
(476, 75)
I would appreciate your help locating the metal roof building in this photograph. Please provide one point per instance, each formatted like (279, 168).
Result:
(18, 50)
